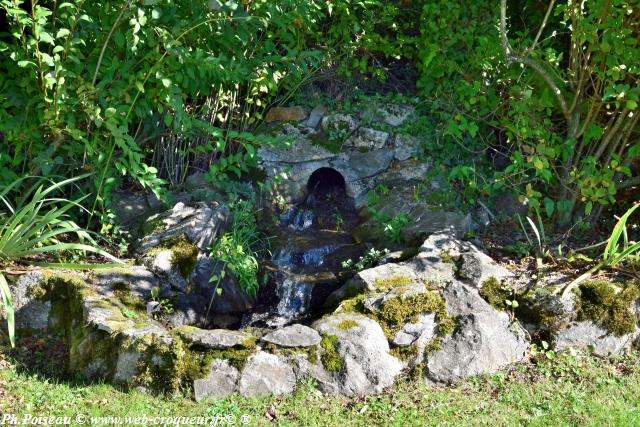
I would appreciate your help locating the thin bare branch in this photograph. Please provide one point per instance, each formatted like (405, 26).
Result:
(512, 57)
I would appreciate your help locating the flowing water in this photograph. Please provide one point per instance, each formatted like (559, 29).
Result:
(311, 242)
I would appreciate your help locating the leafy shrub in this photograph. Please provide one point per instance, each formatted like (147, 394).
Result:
(565, 118)
(240, 247)
(90, 85)
(367, 35)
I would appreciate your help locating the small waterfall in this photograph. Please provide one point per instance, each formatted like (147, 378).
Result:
(312, 241)
(295, 297)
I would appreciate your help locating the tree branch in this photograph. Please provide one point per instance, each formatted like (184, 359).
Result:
(542, 26)
(512, 57)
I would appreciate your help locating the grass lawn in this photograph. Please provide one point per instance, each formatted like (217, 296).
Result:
(570, 390)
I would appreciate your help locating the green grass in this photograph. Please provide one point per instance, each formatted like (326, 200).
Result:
(568, 391)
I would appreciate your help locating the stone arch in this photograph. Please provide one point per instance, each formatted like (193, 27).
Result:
(326, 179)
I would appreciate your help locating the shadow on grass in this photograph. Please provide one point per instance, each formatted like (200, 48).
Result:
(45, 356)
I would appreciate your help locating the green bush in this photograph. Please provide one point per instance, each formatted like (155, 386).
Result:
(133, 89)
(565, 115)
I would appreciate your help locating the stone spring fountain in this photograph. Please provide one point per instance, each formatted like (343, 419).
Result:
(351, 332)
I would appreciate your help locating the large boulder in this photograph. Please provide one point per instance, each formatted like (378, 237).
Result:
(598, 317)
(367, 365)
(484, 341)
(200, 224)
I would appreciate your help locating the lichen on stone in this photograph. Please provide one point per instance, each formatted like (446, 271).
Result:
(347, 324)
(331, 359)
(391, 282)
(608, 305)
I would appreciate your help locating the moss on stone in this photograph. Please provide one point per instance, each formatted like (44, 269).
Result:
(131, 301)
(433, 346)
(608, 305)
(237, 357)
(495, 293)
(151, 225)
(321, 140)
(446, 257)
(405, 353)
(352, 305)
(331, 359)
(406, 308)
(310, 353)
(391, 282)
(347, 324)
(184, 255)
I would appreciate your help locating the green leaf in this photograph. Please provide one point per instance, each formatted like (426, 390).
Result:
(24, 64)
(62, 32)
(46, 38)
(588, 208)
(631, 104)
(7, 304)
(549, 206)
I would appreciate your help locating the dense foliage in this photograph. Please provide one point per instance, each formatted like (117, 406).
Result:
(143, 89)
(555, 93)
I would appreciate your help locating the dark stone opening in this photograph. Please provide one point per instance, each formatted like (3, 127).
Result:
(324, 181)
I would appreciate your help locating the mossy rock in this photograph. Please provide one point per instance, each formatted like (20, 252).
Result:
(184, 255)
(396, 312)
(496, 293)
(391, 282)
(608, 305)
(331, 359)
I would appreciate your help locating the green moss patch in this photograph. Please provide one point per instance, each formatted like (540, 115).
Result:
(152, 225)
(395, 312)
(310, 353)
(405, 353)
(237, 357)
(331, 359)
(495, 293)
(608, 305)
(184, 255)
(391, 282)
(348, 324)
(352, 305)
(446, 257)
